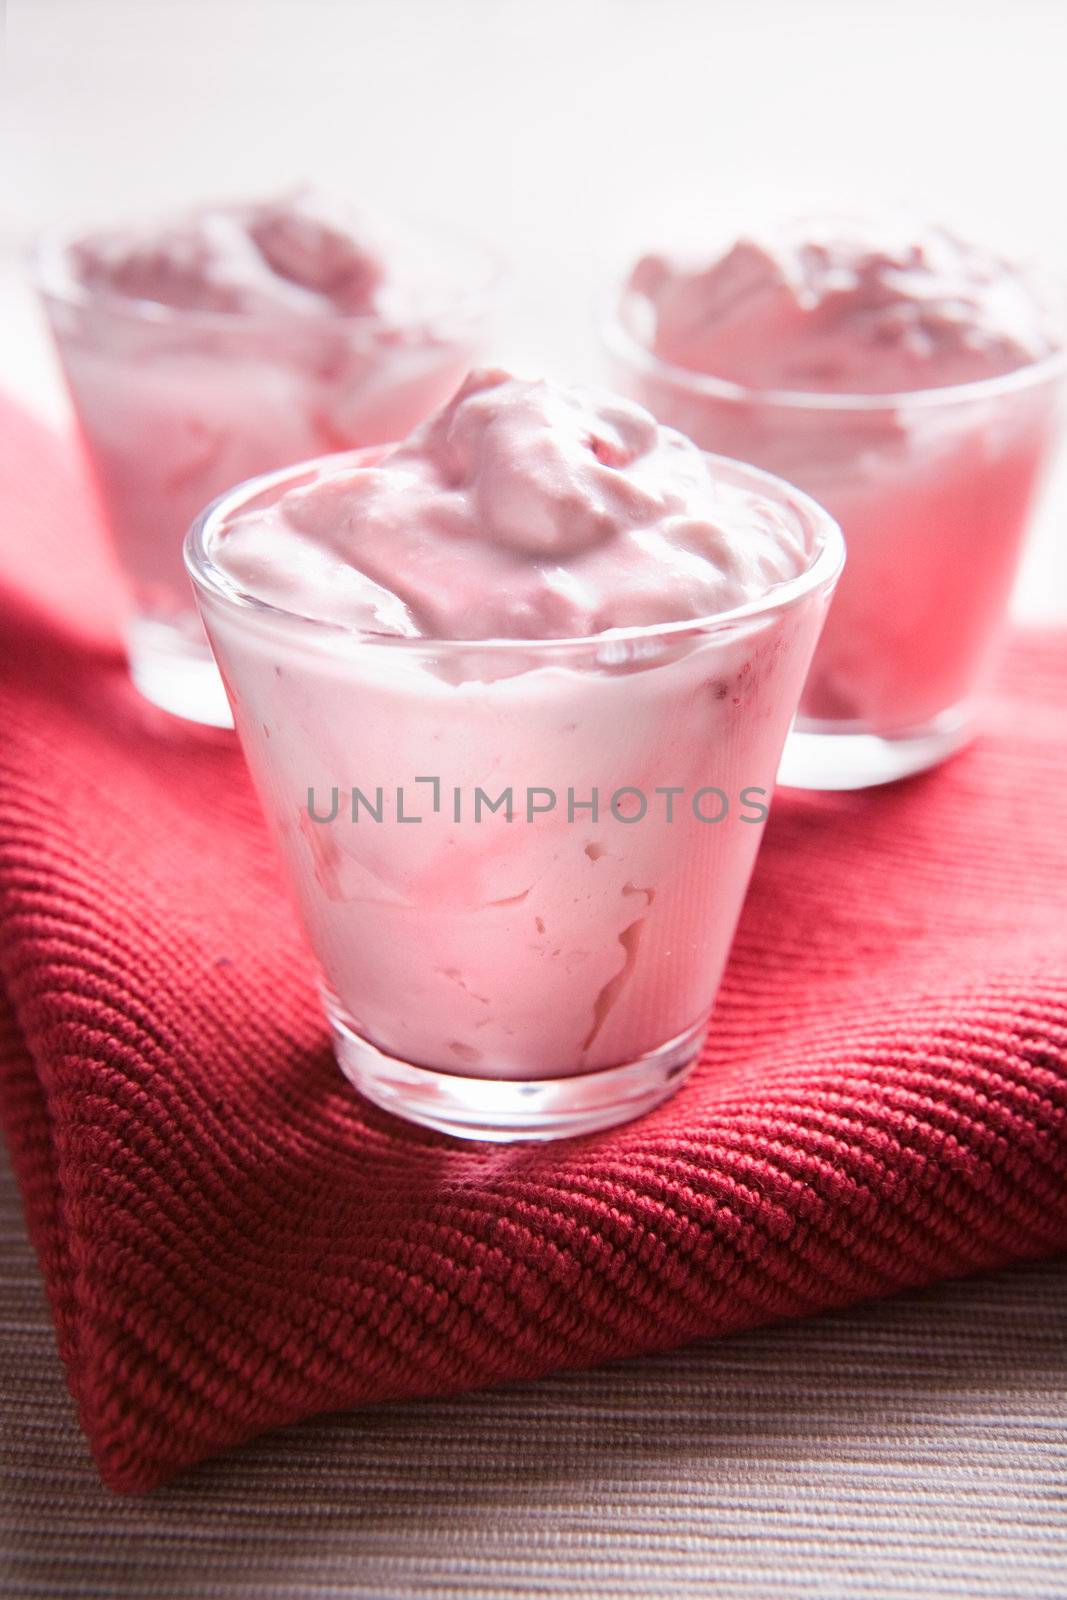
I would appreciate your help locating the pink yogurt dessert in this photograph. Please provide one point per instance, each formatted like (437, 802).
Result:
(513, 694)
(911, 383)
(232, 341)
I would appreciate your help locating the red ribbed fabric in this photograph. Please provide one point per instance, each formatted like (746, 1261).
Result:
(232, 1240)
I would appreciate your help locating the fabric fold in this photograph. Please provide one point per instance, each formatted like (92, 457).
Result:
(232, 1240)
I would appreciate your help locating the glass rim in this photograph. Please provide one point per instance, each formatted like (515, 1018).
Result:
(824, 567)
(620, 341)
(49, 257)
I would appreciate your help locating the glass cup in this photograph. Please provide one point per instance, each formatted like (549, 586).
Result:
(933, 490)
(519, 863)
(176, 405)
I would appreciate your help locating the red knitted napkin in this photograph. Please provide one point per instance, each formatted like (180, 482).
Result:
(232, 1240)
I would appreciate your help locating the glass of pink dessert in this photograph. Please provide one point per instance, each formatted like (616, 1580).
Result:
(513, 694)
(912, 384)
(229, 342)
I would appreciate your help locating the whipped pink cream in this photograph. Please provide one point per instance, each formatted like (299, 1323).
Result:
(239, 339)
(836, 332)
(519, 511)
(304, 254)
(845, 307)
(567, 940)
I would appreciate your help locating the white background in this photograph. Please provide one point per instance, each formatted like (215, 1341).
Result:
(571, 134)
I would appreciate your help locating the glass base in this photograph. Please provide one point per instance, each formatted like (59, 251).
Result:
(818, 756)
(506, 1110)
(177, 672)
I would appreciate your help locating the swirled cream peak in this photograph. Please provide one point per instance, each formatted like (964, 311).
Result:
(301, 253)
(519, 510)
(845, 306)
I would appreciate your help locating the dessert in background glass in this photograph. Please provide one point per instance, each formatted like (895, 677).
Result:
(913, 385)
(232, 341)
(513, 695)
